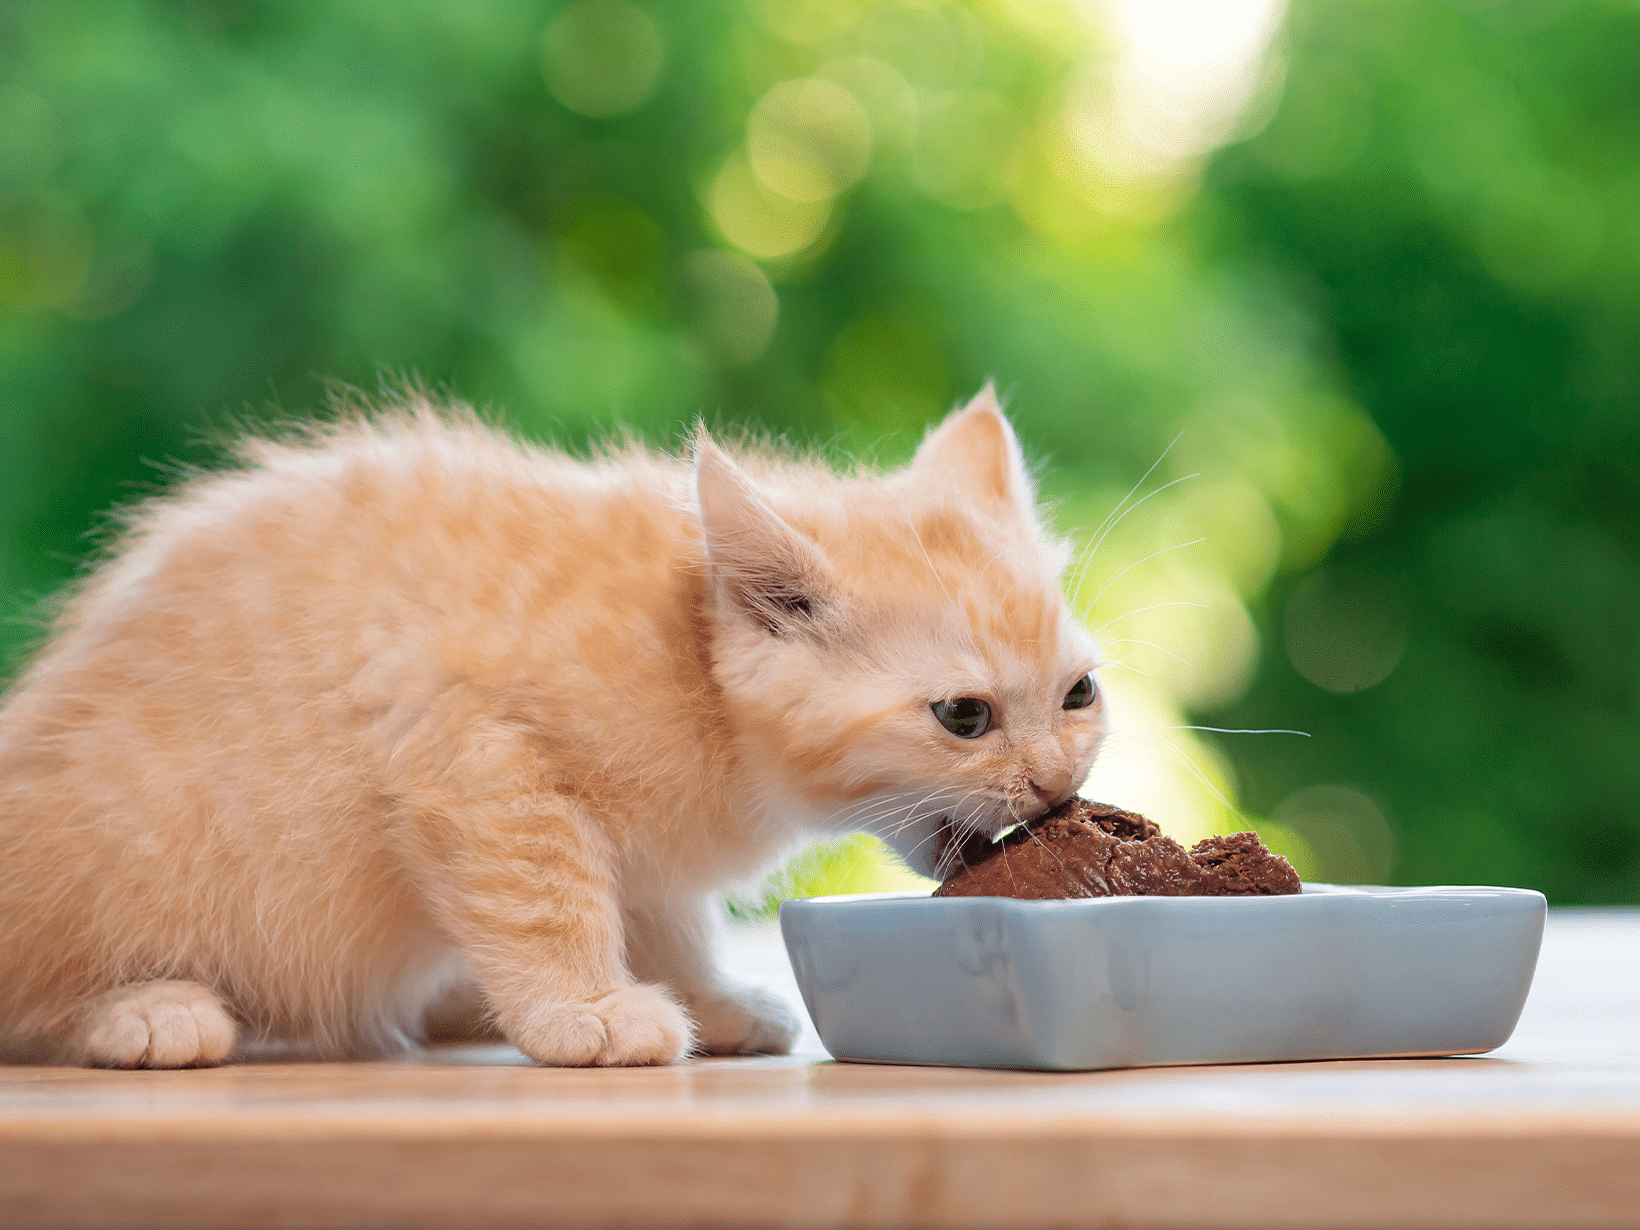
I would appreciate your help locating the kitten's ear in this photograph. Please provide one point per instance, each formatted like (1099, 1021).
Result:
(974, 454)
(775, 574)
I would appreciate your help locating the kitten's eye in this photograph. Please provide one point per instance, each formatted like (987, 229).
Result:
(1081, 694)
(966, 717)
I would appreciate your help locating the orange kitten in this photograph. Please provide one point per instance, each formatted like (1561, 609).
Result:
(407, 702)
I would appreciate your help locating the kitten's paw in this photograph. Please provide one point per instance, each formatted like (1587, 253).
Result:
(744, 1021)
(157, 1025)
(628, 1027)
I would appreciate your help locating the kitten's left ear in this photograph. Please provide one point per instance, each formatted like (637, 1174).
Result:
(775, 574)
(975, 454)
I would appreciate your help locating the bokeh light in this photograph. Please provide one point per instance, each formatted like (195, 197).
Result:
(733, 306)
(601, 58)
(1345, 836)
(1356, 280)
(758, 220)
(1181, 74)
(808, 139)
(1345, 629)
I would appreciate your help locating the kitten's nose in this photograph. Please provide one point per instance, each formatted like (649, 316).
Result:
(1052, 788)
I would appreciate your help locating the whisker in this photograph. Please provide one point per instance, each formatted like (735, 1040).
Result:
(1186, 762)
(1127, 666)
(1106, 533)
(887, 806)
(1178, 546)
(1143, 478)
(961, 831)
(920, 845)
(1142, 609)
(1130, 640)
(1222, 730)
(962, 828)
(1052, 852)
(911, 816)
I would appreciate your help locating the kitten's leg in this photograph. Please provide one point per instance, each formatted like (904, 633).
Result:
(154, 1025)
(528, 889)
(672, 942)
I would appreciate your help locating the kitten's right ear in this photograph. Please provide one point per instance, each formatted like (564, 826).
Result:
(773, 573)
(975, 454)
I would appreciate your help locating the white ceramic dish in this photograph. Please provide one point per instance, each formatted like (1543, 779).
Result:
(1119, 982)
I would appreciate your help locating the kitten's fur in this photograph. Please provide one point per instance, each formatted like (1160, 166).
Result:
(404, 701)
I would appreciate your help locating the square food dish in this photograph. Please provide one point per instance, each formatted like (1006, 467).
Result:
(1122, 982)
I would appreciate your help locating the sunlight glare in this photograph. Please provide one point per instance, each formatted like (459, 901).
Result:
(1180, 74)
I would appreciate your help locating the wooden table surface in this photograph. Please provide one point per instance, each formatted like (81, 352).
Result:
(1542, 1133)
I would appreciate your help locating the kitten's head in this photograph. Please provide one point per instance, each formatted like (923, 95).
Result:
(896, 652)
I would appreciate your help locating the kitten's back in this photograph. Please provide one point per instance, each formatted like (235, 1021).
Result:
(189, 769)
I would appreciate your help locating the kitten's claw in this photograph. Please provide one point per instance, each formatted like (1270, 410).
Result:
(628, 1027)
(157, 1025)
(745, 1021)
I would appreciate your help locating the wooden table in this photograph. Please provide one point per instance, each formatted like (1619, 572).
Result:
(1543, 1133)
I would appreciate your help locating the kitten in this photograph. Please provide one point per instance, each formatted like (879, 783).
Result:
(404, 701)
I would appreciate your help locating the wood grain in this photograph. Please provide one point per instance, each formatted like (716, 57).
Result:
(1546, 1133)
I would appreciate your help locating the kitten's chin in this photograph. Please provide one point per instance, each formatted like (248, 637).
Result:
(930, 847)
(924, 844)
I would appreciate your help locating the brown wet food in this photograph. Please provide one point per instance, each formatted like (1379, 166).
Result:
(1083, 849)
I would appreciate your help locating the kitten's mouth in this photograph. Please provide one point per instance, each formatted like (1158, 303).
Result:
(945, 846)
(950, 842)
(942, 848)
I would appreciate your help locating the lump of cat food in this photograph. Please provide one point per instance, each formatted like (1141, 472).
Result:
(1083, 849)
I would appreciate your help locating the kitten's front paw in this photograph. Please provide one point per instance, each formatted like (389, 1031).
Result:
(157, 1025)
(744, 1021)
(628, 1027)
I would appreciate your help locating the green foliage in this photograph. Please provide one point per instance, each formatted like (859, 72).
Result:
(1450, 189)
(829, 219)
(857, 864)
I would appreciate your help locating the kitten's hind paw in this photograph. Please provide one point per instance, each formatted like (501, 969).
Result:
(156, 1025)
(744, 1021)
(625, 1028)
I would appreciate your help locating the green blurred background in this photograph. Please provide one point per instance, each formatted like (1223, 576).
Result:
(1359, 279)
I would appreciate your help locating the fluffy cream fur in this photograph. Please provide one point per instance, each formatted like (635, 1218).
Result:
(403, 702)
